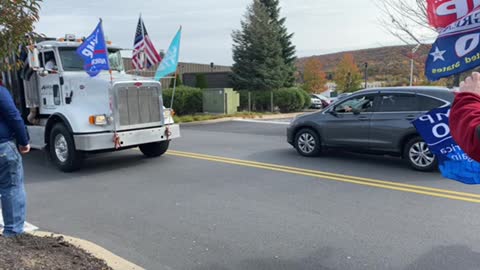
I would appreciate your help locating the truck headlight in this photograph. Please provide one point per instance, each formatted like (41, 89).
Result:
(98, 120)
(168, 113)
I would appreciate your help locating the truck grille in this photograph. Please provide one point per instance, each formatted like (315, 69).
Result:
(138, 105)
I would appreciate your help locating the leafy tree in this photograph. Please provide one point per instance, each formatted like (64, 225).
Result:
(347, 75)
(313, 76)
(288, 49)
(16, 19)
(201, 81)
(257, 52)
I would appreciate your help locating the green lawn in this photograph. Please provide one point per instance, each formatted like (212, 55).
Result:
(204, 117)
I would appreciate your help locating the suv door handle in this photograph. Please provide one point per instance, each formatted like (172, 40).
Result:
(363, 118)
(411, 117)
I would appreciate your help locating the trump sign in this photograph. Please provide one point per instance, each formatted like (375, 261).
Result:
(457, 48)
(453, 162)
(442, 13)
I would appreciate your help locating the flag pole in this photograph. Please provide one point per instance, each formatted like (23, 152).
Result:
(137, 71)
(175, 79)
(116, 138)
(144, 43)
(174, 87)
(106, 52)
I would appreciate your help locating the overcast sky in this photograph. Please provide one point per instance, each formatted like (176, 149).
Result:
(320, 26)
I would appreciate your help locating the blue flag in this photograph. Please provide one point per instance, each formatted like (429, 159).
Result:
(170, 61)
(453, 162)
(457, 48)
(94, 52)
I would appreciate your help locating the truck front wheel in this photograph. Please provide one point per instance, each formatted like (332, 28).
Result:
(62, 149)
(155, 149)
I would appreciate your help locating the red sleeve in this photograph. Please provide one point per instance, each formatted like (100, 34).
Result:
(465, 123)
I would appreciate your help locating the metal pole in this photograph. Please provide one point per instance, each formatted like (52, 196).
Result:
(174, 87)
(414, 50)
(366, 74)
(143, 47)
(249, 101)
(411, 71)
(175, 79)
(271, 101)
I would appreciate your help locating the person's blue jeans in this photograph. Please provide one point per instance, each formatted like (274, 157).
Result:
(12, 189)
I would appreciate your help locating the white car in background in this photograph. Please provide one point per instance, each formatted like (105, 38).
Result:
(319, 101)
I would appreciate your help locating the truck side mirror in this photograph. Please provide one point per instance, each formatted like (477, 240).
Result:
(42, 72)
(33, 59)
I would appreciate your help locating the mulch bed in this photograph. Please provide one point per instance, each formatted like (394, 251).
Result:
(29, 252)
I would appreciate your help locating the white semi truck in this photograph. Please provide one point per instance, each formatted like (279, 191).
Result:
(70, 114)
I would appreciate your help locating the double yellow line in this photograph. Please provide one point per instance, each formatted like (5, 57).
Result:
(429, 191)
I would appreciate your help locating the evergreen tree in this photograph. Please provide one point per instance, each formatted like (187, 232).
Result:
(288, 49)
(257, 52)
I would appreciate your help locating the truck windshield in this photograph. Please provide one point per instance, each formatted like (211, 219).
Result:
(71, 61)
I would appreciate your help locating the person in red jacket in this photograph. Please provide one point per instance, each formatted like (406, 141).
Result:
(465, 116)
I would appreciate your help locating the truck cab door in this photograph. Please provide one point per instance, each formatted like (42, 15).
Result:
(49, 82)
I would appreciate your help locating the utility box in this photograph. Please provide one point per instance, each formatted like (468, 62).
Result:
(220, 101)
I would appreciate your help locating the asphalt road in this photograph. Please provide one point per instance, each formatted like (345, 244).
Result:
(205, 212)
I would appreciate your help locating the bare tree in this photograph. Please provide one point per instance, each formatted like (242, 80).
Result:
(407, 20)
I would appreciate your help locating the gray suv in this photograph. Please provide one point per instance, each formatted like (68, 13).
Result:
(374, 121)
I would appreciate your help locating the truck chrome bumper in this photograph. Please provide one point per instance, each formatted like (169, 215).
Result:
(105, 141)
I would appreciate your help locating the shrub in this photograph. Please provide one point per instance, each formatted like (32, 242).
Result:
(307, 98)
(187, 100)
(287, 99)
(260, 100)
(291, 99)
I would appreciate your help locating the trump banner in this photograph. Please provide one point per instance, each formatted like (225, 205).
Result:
(94, 52)
(442, 13)
(457, 48)
(453, 162)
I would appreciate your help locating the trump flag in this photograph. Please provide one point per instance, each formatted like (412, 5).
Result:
(442, 13)
(453, 162)
(94, 52)
(457, 48)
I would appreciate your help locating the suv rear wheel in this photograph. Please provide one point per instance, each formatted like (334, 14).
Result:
(418, 155)
(308, 143)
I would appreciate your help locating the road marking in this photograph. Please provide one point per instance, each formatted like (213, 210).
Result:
(429, 191)
(262, 122)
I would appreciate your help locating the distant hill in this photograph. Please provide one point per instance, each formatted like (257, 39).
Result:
(384, 64)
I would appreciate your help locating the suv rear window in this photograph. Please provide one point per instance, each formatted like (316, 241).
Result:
(427, 103)
(397, 103)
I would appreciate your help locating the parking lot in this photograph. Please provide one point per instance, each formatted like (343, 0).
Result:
(235, 195)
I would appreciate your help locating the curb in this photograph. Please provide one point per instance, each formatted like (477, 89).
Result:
(112, 260)
(228, 119)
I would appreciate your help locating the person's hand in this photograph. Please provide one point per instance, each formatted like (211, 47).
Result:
(347, 109)
(471, 84)
(24, 149)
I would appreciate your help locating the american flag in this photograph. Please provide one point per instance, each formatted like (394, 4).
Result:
(144, 52)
